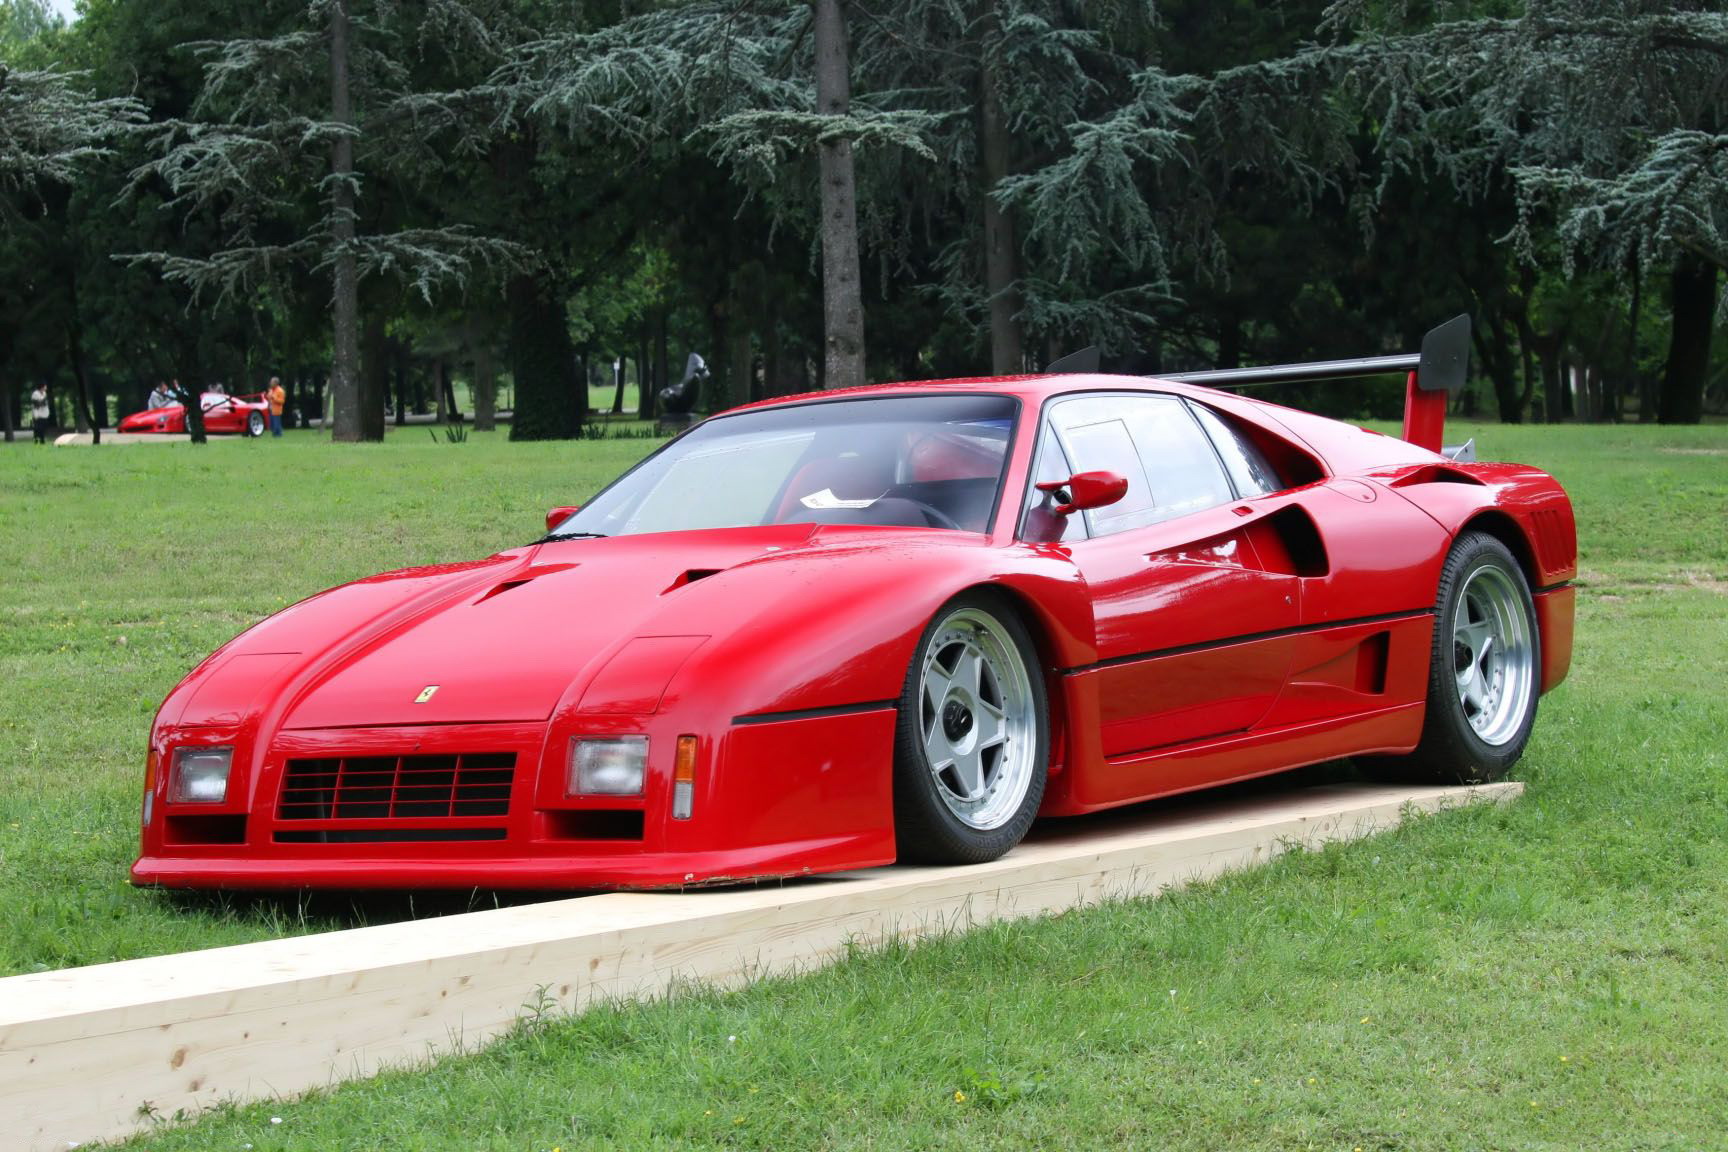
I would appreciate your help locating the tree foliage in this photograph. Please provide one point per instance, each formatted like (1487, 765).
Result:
(538, 187)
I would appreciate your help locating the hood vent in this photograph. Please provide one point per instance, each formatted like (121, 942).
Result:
(526, 578)
(690, 576)
(507, 586)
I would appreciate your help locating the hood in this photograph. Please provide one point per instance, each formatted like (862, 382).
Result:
(509, 645)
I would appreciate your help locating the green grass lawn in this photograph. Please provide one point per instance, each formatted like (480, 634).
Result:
(1551, 975)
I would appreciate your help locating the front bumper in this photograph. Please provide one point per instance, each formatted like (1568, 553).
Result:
(561, 871)
(777, 799)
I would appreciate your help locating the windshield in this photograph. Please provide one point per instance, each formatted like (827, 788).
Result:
(919, 461)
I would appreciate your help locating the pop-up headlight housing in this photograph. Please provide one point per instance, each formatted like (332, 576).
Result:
(200, 775)
(607, 765)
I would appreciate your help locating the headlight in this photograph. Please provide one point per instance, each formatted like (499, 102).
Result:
(607, 765)
(200, 775)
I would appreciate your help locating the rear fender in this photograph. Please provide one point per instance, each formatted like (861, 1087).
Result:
(1525, 508)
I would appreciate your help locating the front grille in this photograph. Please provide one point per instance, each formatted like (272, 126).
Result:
(387, 835)
(397, 787)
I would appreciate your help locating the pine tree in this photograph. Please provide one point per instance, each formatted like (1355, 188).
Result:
(1609, 117)
(742, 82)
(50, 128)
(51, 132)
(291, 127)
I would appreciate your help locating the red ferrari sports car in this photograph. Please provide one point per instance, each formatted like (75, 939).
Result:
(223, 414)
(837, 630)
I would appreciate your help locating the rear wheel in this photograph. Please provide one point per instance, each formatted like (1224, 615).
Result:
(972, 743)
(1484, 676)
(254, 423)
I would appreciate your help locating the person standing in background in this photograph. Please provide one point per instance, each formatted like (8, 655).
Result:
(39, 412)
(277, 398)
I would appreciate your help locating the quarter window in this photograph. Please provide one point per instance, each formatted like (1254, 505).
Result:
(1249, 469)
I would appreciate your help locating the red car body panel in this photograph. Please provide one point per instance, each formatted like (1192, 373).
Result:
(223, 416)
(1248, 638)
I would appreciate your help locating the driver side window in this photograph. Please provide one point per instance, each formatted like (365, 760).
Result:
(1153, 442)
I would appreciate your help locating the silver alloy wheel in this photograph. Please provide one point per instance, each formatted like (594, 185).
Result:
(1493, 656)
(977, 719)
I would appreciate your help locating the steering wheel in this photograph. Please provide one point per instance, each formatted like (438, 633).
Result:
(937, 517)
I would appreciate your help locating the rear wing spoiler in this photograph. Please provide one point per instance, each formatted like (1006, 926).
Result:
(1433, 374)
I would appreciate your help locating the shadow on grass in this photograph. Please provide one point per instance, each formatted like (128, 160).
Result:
(293, 912)
(330, 910)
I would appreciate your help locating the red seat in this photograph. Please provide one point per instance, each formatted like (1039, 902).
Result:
(951, 458)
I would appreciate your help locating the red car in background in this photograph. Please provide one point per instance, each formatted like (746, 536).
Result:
(223, 415)
(834, 630)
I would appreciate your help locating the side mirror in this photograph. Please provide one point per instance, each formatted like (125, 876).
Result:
(1086, 490)
(560, 514)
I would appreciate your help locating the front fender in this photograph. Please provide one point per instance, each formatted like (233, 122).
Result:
(836, 627)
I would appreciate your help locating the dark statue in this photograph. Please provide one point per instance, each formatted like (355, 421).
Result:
(680, 399)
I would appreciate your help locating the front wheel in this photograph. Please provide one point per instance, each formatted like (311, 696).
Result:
(1484, 676)
(972, 740)
(255, 424)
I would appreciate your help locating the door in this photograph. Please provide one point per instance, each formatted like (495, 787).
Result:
(220, 415)
(1193, 633)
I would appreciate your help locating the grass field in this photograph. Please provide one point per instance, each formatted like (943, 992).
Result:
(1553, 975)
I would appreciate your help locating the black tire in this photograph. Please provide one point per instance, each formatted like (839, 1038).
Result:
(1465, 742)
(254, 423)
(936, 821)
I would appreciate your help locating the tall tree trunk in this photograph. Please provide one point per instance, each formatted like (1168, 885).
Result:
(842, 293)
(1001, 257)
(543, 362)
(773, 361)
(8, 410)
(620, 371)
(662, 367)
(644, 367)
(1229, 341)
(1494, 351)
(718, 389)
(400, 353)
(445, 377)
(1548, 353)
(347, 410)
(374, 378)
(1527, 355)
(1694, 302)
(485, 388)
(81, 407)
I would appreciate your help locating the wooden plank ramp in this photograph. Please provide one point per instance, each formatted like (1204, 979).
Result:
(90, 1053)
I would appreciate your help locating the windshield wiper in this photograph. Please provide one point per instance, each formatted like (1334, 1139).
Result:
(571, 536)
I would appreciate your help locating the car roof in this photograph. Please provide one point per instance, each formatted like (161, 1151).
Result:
(1337, 446)
(1031, 388)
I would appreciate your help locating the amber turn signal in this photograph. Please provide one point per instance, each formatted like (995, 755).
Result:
(684, 778)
